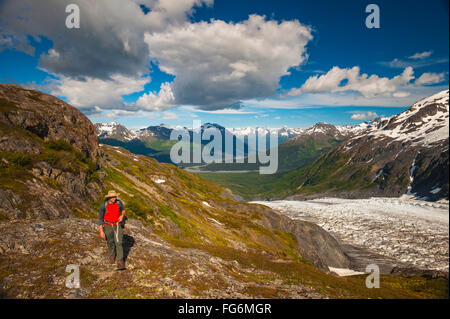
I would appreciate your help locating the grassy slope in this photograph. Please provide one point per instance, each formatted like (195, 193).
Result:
(190, 216)
(252, 185)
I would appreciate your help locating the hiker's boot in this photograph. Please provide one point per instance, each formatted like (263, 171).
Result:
(112, 260)
(120, 265)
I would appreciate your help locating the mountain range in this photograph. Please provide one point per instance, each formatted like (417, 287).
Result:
(402, 154)
(389, 156)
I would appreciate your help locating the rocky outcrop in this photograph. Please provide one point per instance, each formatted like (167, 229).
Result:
(314, 243)
(47, 117)
(48, 156)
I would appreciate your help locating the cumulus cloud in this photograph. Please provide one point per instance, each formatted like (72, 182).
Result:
(430, 78)
(89, 92)
(110, 38)
(104, 59)
(162, 100)
(364, 116)
(350, 79)
(218, 64)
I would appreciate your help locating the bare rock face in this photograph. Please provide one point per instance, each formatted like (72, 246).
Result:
(36, 180)
(48, 117)
(314, 243)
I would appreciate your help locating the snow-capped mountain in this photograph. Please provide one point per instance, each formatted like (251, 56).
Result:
(161, 131)
(404, 153)
(114, 130)
(425, 123)
(320, 132)
(284, 131)
(117, 131)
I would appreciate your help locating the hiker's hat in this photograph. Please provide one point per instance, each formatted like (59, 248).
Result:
(111, 194)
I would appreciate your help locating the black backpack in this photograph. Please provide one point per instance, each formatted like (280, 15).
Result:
(122, 223)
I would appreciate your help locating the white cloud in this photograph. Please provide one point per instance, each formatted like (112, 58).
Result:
(421, 55)
(364, 116)
(404, 97)
(401, 94)
(162, 100)
(218, 64)
(110, 114)
(430, 78)
(277, 117)
(110, 38)
(106, 57)
(113, 114)
(341, 80)
(89, 92)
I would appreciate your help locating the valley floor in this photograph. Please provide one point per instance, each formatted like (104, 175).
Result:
(413, 232)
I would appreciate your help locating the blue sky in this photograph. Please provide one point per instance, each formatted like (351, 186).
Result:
(236, 63)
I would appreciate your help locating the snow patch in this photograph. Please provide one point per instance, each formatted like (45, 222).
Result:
(411, 175)
(342, 272)
(215, 221)
(206, 204)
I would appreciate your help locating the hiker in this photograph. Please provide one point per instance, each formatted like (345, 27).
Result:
(110, 220)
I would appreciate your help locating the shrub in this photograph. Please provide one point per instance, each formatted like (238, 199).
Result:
(59, 145)
(23, 160)
(50, 157)
(19, 159)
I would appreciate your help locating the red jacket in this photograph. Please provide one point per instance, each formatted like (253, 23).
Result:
(110, 213)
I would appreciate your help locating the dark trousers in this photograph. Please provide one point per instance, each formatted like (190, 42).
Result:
(114, 238)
